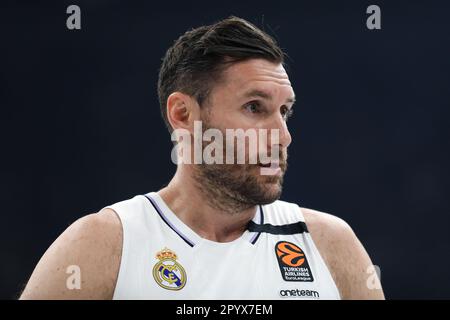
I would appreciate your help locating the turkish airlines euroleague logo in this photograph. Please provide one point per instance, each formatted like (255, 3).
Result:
(293, 263)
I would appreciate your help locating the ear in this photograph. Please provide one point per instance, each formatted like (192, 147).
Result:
(182, 111)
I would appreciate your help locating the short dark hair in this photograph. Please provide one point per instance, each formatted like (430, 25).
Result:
(196, 60)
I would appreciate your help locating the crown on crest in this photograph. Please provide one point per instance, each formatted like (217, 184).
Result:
(166, 254)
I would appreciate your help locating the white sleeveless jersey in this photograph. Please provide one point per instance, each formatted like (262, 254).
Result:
(162, 258)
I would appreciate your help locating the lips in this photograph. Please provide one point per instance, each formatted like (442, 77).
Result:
(274, 168)
(267, 165)
(273, 165)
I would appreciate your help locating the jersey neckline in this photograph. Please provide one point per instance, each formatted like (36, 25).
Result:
(189, 235)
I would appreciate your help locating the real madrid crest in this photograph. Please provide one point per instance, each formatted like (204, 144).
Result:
(168, 273)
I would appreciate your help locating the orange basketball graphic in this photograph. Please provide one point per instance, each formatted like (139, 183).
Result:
(290, 254)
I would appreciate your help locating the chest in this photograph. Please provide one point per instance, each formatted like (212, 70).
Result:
(275, 267)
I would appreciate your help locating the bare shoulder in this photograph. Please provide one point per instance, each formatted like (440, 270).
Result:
(82, 263)
(323, 223)
(345, 256)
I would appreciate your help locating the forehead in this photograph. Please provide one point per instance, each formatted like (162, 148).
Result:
(257, 74)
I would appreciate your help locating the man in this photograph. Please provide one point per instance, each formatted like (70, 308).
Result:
(218, 230)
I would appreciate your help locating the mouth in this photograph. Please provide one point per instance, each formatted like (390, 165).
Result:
(271, 164)
(273, 168)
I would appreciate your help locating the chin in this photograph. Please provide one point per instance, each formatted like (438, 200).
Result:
(272, 193)
(271, 186)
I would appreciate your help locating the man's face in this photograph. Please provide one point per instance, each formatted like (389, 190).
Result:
(254, 94)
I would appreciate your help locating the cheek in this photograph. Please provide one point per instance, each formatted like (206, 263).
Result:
(226, 117)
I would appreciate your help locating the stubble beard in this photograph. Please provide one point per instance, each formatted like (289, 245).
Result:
(233, 188)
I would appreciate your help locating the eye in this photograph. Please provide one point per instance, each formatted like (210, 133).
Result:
(286, 112)
(253, 107)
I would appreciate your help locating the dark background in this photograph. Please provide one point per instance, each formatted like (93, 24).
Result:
(81, 129)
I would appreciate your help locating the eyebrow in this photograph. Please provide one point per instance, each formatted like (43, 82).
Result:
(265, 95)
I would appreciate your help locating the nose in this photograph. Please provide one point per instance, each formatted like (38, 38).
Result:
(285, 138)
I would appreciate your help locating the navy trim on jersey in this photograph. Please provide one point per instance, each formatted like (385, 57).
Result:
(163, 217)
(293, 228)
(262, 221)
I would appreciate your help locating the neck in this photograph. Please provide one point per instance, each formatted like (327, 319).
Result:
(209, 221)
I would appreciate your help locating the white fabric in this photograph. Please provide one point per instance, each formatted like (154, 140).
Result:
(233, 270)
